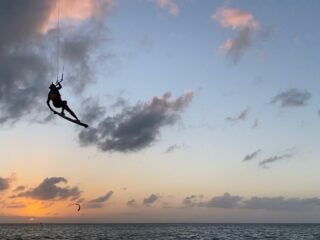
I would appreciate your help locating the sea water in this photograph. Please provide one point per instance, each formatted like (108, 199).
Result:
(160, 231)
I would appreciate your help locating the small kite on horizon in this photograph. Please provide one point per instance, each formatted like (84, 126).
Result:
(79, 206)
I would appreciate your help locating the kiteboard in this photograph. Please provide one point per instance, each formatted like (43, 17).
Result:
(71, 120)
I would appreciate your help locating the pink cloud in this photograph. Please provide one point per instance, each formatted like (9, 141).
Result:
(172, 8)
(247, 27)
(75, 11)
(235, 18)
(226, 45)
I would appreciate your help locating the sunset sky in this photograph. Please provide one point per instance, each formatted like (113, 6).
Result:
(198, 111)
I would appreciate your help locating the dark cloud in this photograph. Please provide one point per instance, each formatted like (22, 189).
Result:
(135, 127)
(22, 76)
(240, 117)
(132, 204)
(28, 55)
(22, 21)
(224, 201)
(103, 198)
(23, 69)
(292, 98)
(151, 199)
(48, 190)
(262, 203)
(251, 156)
(99, 202)
(19, 188)
(5, 183)
(281, 203)
(92, 111)
(78, 50)
(191, 201)
(265, 163)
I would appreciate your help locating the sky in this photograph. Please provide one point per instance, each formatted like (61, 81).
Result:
(198, 111)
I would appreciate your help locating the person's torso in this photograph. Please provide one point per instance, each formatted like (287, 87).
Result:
(54, 95)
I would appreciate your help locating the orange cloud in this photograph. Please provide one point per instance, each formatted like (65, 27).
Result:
(235, 18)
(75, 11)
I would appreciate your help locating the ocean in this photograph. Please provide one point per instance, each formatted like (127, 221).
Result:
(160, 231)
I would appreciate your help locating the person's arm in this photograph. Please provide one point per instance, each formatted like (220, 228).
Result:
(59, 86)
(48, 103)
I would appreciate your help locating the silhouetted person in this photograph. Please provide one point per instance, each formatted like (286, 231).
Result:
(55, 97)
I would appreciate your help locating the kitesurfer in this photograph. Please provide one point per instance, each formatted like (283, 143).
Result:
(55, 97)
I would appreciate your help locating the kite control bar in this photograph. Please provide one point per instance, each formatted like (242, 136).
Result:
(58, 82)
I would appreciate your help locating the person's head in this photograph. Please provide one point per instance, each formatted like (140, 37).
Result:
(52, 86)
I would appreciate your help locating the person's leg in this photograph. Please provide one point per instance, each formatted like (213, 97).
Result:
(58, 104)
(63, 105)
(66, 107)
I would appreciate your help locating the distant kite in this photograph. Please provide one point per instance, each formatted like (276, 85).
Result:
(79, 207)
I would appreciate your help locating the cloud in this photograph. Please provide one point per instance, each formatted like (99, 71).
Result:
(235, 18)
(119, 103)
(282, 204)
(249, 31)
(76, 11)
(169, 5)
(19, 188)
(135, 127)
(92, 111)
(292, 98)
(279, 203)
(251, 156)
(150, 200)
(16, 205)
(241, 117)
(26, 20)
(99, 202)
(48, 190)
(172, 148)
(224, 201)
(191, 201)
(237, 47)
(265, 163)
(6, 182)
(132, 204)
(22, 75)
(103, 198)
(28, 52)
